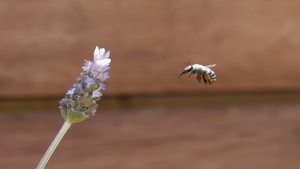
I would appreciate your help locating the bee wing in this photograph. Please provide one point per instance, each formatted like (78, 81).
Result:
(211, 65)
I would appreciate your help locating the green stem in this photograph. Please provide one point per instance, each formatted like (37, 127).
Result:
(54, 144)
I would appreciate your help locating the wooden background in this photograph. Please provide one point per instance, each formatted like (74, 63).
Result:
(231, 137)
(248, 119)
(43, 44)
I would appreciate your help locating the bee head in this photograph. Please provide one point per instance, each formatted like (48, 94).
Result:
(189, 68)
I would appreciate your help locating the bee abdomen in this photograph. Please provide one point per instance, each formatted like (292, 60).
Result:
(212, 75)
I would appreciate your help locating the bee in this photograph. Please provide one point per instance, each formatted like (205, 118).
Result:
(201, 72)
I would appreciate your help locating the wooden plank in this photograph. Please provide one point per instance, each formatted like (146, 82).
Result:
(254, 44)
(235, 137)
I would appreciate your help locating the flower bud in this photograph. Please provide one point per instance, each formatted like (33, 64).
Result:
(80, 101)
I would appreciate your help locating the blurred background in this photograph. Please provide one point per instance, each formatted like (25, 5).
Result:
(148, 118)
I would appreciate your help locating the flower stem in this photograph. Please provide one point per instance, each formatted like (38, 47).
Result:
(54, 144)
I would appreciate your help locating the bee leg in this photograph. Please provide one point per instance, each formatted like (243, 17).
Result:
(191, 74)
(199, 78)
(207, 78)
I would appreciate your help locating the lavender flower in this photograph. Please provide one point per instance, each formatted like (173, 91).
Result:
(80, 101)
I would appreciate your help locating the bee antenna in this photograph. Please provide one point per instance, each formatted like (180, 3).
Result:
(189, 63)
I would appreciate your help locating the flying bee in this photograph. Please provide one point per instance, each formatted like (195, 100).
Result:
(201, 72)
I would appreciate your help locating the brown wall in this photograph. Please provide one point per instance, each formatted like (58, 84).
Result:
(43, 44)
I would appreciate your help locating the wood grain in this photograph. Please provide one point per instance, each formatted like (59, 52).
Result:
(232, 136)
(255, 45)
